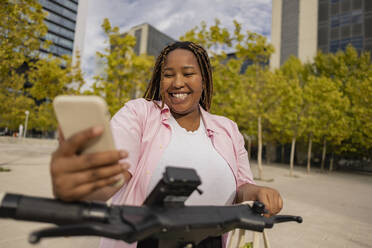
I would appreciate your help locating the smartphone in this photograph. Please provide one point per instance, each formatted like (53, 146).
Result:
(77, 113)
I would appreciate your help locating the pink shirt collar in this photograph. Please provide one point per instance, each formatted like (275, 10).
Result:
(209, 125)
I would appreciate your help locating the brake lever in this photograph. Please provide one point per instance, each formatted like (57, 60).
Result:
(88, 229)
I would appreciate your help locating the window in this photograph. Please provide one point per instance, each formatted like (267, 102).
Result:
(59, 40)
(69, 4)
(335, 33)
(345, 19)
(344, 43)
(357, 42)
(356, 16)
(58, 9)
(345, 6)
(334, 46)
(356, 29)
(335, 21)
(345, 31)
(60, 30)
(323, 36)
(60, 20)
(58, 50)
(323, 12)
(357, 4)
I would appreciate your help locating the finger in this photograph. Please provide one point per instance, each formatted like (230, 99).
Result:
(264, 199)
(94, 160)
(280, 203)
(269, 206)
(274, 207)
(61, 137)
(90, 176)
(85, 189)
(75, 143)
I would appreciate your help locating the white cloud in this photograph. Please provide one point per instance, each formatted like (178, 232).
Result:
(173, 17)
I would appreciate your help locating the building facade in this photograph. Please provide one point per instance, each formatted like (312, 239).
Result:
(61, 21)
(149, 40)
(302, 27)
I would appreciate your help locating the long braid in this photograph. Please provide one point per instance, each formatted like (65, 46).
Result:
(154, 91)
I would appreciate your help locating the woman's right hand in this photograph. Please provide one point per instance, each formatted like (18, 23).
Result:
(76, 177)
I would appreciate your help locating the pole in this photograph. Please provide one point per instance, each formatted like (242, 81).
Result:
(26, 122)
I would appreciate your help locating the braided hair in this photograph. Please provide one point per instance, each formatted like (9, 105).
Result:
(154, 91)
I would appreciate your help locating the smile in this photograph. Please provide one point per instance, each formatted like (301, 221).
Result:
(180, 96)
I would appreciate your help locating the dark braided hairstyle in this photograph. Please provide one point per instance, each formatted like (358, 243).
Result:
(154, 91)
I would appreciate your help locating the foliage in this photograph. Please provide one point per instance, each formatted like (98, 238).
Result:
(126, 74)
(49, 78)
(352, 73)
(21, 26)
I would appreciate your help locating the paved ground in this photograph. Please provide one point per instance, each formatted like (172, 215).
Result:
(336, 207)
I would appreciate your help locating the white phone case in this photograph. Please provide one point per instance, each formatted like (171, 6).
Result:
(77, 113)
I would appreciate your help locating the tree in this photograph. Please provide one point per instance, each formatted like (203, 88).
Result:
(21, 26)
(126, 74)
(289, 115)
(327, 121)
(239, 96)
(353, 73)
(49, 78)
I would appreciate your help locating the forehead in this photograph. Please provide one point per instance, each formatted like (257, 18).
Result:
(181, 57)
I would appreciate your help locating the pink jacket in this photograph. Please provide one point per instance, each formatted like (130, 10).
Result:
(142, 128)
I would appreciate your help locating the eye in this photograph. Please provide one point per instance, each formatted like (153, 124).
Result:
(189, 74)
(168, 75)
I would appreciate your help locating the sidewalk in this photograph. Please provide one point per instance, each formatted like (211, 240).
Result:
(336, 207)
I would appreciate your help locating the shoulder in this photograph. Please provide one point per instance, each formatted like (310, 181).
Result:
(139, 106)
(221, 124)
(139, 103)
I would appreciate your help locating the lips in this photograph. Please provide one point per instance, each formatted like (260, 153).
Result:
(179, 96)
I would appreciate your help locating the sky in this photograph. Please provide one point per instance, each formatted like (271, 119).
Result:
(172, 17)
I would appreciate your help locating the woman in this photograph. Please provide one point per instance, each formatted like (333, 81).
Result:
(171, 127)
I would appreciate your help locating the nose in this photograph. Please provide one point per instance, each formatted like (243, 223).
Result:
(179, 81)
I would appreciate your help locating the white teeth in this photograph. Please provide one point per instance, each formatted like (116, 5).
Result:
(180, 95)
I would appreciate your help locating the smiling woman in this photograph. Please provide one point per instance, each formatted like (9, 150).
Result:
(171, 125)
(182, 84)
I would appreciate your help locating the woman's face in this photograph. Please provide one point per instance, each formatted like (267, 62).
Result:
(182, 82)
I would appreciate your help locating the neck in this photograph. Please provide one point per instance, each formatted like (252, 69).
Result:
(190, 121)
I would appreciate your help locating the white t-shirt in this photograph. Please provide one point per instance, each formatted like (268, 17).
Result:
(195, 150)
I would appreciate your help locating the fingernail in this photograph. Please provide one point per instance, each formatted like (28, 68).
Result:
(120, 181)
(125, 166)
(97, 130)
(123, 154)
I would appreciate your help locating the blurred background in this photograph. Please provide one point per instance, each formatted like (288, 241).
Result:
(295, 75)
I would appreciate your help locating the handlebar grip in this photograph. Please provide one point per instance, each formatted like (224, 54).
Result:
(52, 211)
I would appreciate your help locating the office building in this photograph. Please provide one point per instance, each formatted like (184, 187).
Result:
(302, 27)
(61, 21)
(150, 41)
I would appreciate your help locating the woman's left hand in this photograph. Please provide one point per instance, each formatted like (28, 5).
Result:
(268, 196)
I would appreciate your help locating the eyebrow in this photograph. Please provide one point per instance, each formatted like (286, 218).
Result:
(184, 67)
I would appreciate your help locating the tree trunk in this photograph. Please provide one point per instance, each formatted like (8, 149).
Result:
(331, 163)
(292, 156)
(309, 154)
(323, 154)
(259, 154)
(283, 152)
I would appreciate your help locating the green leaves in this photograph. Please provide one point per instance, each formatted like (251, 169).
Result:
(125, 74)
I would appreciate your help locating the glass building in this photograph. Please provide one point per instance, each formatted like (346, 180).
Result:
(61, 21)
(343, 22)
(302, 27)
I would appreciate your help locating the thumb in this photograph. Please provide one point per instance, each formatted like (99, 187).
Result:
(61, 137)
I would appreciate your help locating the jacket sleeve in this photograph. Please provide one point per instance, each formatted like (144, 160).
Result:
(244, 169)
(127, 127)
